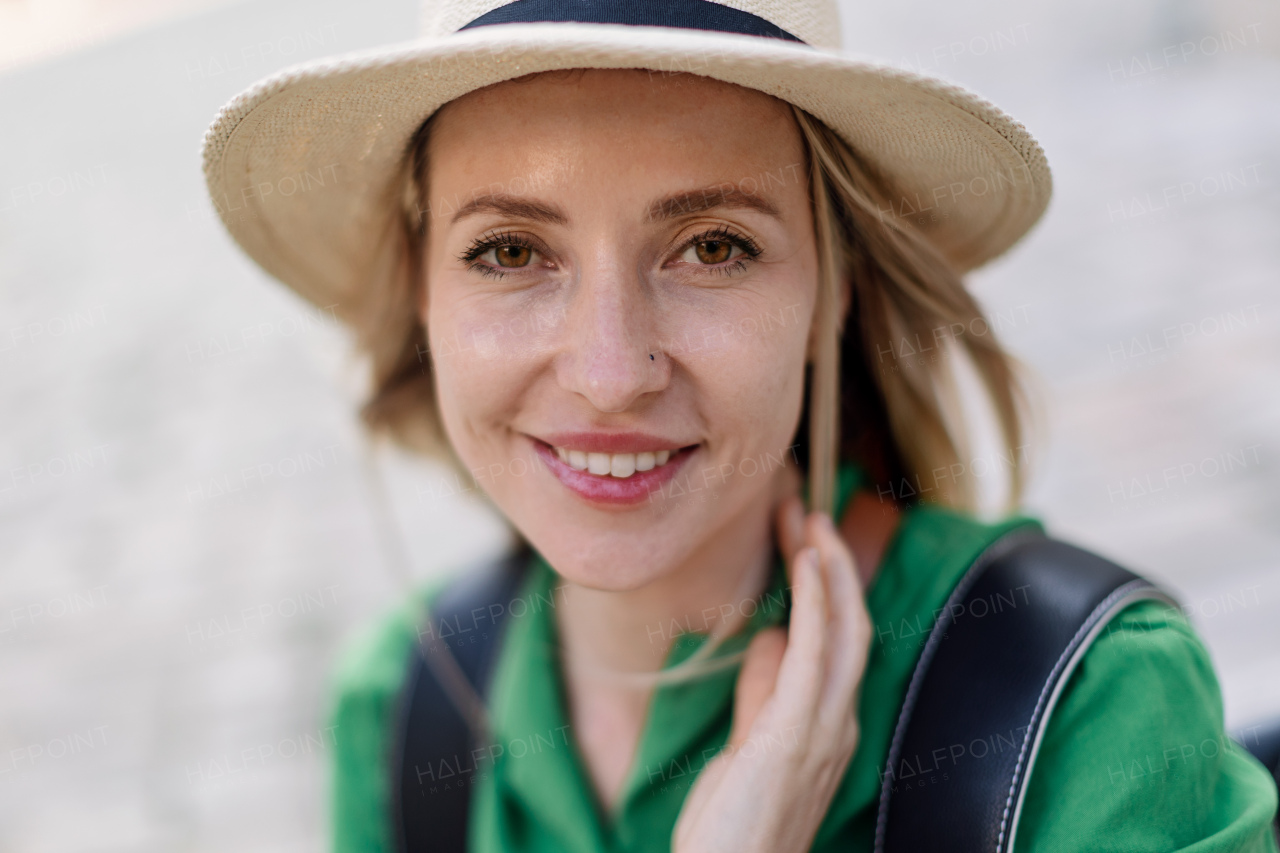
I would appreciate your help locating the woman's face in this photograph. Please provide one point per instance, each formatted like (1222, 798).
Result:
(621, 277)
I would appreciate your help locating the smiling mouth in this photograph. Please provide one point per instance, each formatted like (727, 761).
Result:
(619, 465)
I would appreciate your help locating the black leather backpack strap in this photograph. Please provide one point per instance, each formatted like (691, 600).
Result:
(1263, 742)
(991, 671)
(441, 727)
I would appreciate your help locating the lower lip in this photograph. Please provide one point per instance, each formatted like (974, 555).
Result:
(614, 491)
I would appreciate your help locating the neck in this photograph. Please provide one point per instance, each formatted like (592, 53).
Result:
(633, 631)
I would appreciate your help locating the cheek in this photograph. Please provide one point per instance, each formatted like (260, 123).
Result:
(749, 365)
(469, 379)
(483, 353)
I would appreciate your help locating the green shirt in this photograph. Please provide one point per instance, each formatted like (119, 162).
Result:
(1134, 757)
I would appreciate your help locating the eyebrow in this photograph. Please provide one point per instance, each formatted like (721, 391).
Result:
(660, 210)
(510, 205)
(708, 198)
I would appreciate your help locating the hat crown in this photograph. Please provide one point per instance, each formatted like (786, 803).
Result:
(815, 22)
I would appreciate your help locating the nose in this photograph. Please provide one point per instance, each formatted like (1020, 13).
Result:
(611, 332)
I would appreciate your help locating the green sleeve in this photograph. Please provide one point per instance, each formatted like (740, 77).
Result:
(369, 675)
(1135, 757)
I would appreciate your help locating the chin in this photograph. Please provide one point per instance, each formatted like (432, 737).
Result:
(607, 566)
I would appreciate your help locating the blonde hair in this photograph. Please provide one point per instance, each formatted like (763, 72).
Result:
(900, 288)
(902, 422)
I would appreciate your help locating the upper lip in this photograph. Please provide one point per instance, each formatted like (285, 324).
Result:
(611, 442)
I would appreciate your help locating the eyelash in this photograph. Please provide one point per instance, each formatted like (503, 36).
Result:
(720, 234)
(750, 251)
(493, 241)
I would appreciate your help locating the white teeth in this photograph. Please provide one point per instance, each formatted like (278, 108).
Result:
(620, 465)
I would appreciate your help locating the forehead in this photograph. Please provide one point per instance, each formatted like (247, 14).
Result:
(622, 122)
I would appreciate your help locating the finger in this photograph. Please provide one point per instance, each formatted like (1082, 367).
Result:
(756, 680)
(800, 677)
(837, 561)
(850, 624)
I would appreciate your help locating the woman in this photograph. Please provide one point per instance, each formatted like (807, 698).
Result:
(632, 303)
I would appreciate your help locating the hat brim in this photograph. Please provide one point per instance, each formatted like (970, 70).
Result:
(301, 166)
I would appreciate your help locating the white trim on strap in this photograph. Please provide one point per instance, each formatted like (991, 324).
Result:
(1135, 590)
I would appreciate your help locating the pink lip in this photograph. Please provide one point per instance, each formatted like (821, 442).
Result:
(616, 442)
(610, 490)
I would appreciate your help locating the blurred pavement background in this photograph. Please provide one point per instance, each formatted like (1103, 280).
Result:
(162, 615)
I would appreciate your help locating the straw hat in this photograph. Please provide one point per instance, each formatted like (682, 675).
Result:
(302, 166)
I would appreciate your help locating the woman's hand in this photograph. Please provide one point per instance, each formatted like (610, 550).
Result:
(795, 723)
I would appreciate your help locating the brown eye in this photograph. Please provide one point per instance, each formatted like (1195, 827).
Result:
(713, 251)
(513, 256)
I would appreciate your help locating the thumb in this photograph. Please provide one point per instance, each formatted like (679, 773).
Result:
(756, 680)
